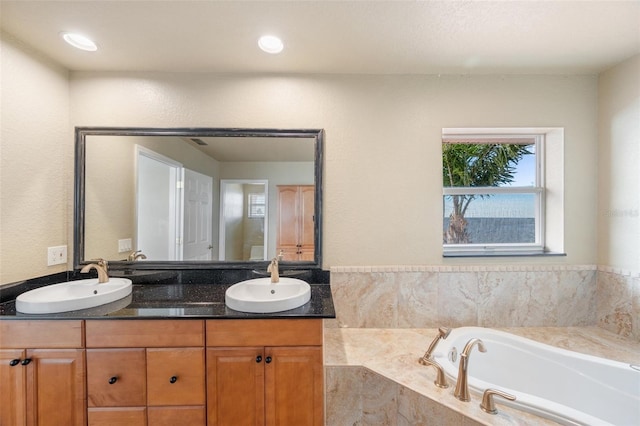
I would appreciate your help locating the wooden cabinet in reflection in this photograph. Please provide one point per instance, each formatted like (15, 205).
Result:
(296, 206)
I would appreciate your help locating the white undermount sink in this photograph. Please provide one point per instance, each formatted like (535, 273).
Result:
(72, 296)
(261, 296)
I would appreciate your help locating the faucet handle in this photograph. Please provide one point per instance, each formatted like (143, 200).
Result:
(488, 405)
(441, 380)
(103, 264)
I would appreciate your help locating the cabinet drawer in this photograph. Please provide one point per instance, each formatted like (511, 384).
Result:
(175, 376)
(144, 333)
(55, 334)
(172, 416)
(267, 332)
(116, 377)
(129, 416)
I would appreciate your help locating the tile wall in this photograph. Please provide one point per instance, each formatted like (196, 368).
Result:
(488, 296)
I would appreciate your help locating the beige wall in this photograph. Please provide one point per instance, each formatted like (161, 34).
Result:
(382, 196)
(36, 165)
(619, 170)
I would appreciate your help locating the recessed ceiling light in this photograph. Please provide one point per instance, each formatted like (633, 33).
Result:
(270, 44)
(79, 41)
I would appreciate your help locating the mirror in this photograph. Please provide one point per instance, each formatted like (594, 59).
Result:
(197, 198)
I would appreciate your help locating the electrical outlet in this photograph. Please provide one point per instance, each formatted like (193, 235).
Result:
(56, 255)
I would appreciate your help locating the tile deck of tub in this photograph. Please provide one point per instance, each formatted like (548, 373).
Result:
(373, 377)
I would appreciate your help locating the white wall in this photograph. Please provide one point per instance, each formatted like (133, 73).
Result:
(619, 172)
(382, 198)
(36, 165)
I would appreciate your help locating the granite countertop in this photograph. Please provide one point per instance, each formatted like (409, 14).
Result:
(172, 300)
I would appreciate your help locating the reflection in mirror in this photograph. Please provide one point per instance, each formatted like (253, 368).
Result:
(200, 197)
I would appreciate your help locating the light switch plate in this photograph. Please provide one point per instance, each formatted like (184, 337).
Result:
(124, 245)
(56, 255)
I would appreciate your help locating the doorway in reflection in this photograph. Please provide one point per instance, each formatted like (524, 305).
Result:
(244, 211)
(173, 209)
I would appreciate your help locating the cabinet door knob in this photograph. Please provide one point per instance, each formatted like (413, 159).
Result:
(26, 361)
(14, 362)
(268, 360)
(173, 379)
(259, 358)
(113, 380)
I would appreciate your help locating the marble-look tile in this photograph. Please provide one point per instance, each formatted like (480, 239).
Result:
(343, 395)
(517, 299)
(367, 299)
(416, 409)
(379, 400)
(615, 303)
(457, 299)
(576, 298)
(417, 299)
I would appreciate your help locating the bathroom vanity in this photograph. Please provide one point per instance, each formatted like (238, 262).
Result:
(173, 354)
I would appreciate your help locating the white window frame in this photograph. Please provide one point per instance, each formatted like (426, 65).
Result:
(538, 190)
(252, 202)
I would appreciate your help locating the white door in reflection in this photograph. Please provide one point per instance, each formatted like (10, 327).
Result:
(158, 206)
(198, 209)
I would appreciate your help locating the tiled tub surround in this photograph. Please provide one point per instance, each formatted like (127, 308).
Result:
(373, 377)
(487, 296)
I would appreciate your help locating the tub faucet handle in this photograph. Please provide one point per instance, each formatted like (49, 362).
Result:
(441, 380)
(488, 405)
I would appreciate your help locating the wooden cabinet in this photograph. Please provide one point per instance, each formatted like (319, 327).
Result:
(259, 365)
(159, 372)
(42, 367)
(295, 233)
(145, 372)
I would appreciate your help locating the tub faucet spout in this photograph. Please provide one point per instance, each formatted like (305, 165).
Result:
(462, 388)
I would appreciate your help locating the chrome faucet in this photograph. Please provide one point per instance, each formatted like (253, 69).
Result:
(136, 255)
(443, 333)
(462, 388)
(273, 270)
(102, 267)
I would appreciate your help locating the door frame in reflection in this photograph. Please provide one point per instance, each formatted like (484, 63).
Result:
(227, 204)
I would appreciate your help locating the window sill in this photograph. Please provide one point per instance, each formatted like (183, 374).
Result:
(503, 254)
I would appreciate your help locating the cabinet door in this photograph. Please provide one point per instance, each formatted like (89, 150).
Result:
(55, 387)
(13, 388)
(288, 228)
(116, 378)
(235, 386)
(175, 376)
(294, 386)
(306, 220)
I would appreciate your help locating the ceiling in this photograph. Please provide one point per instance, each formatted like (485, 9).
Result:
(371, 37)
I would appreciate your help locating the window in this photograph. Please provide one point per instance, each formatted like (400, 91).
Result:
(493, 193)
(257, 206)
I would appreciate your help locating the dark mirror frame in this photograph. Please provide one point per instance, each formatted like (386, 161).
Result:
(79, 195)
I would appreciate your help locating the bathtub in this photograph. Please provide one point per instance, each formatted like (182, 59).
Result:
(564, 386)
